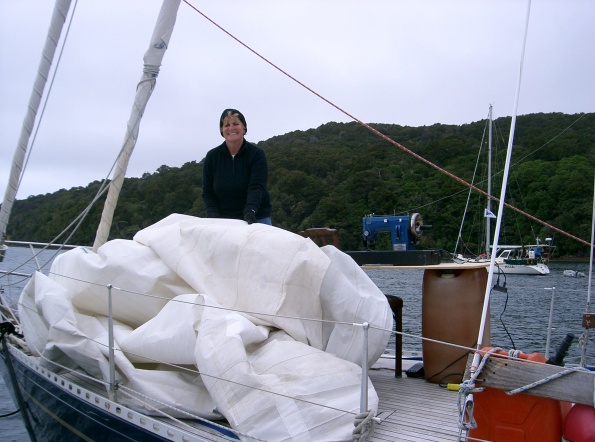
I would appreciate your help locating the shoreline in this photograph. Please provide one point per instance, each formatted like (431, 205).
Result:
(571, 259)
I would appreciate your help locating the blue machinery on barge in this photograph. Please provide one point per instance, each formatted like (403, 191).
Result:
(405, 232)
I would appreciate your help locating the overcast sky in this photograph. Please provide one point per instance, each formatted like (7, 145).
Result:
(407, 62)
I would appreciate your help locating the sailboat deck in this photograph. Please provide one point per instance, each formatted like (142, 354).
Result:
(411, 409)
(421, 411)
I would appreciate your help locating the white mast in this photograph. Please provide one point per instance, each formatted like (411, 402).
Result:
(489, 202)
(503, 190)
(58, 18)
(152, 62)
(588, 309)
(486, 301)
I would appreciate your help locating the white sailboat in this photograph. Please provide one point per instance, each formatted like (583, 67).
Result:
(532, 259)
(525, 260)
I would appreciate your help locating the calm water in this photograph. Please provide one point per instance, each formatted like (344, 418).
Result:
(12, 428)
(519, 320)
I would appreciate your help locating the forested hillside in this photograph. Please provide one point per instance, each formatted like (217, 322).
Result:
(335, 174)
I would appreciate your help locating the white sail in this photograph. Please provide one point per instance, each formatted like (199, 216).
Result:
(152, 62)
(58, 18)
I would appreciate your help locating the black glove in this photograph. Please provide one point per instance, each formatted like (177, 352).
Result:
(250, 217)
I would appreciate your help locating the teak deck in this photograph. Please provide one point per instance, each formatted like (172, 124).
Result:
(421, 411)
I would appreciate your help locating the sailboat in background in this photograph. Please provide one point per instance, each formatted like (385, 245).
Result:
(532, 259)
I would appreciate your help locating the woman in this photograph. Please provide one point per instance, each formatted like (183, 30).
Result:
(235, 175)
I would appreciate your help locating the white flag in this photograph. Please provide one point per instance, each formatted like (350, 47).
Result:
(488, 214)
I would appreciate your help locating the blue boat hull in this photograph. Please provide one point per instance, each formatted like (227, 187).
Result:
(57, 415)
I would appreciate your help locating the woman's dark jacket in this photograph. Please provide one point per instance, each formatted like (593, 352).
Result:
(231, 186)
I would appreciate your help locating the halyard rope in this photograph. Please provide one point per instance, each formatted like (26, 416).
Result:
(541, 381)
(465, 403)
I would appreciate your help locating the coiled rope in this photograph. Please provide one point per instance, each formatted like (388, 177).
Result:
(466, 389)
(364, 426)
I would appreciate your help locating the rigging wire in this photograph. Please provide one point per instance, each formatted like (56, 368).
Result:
(460, 235)
(377, 132)
(548, 142)
(504, 307)
(76, 223)
(497, 129)
(104, 184)
(47, 95)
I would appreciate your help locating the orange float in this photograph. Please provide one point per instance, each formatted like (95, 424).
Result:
(517, 418)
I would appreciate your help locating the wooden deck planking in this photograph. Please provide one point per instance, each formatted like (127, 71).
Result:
(414, 409)
(421, 411)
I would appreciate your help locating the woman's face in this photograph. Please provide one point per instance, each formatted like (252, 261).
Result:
(232, 129)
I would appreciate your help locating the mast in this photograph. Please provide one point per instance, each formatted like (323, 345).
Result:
(588, 307)
(489, 202)
(486, 302)
(61, 8)
(152, 62)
